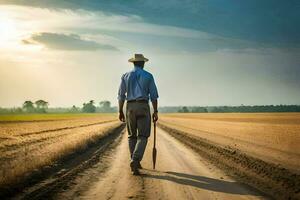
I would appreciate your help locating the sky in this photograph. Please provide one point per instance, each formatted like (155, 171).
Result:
(201, 53)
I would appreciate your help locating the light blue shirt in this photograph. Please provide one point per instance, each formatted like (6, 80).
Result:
(137, 84)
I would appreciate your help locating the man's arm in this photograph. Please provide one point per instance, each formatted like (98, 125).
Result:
(155, 111)
(121, 113)
(153, 97)
(121, 98)
(154, 105)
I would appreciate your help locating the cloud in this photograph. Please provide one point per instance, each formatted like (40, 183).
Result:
(69, 42)
(273, 22)
(134, 30)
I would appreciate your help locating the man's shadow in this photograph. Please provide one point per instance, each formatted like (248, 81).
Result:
(205, 183)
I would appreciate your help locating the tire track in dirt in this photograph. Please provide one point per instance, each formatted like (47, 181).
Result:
(278, 182)
(117, 182)
(45, 183)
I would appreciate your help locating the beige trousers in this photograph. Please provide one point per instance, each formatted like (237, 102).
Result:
(138, 121)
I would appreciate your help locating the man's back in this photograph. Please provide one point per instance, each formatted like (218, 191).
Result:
(138, 84)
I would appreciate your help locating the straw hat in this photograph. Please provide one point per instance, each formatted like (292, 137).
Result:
(138, 57)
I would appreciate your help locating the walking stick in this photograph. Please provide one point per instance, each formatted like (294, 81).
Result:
(154, 152)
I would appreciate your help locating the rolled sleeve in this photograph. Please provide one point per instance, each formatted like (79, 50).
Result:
(153, 90)
(122, 90)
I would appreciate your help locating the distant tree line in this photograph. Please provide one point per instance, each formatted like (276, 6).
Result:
(231, 109)
(104, 107)
(41, 106)
(263, 108)
(186, 109)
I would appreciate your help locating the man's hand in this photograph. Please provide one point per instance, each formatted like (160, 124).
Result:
(154, 116)
(121, 116)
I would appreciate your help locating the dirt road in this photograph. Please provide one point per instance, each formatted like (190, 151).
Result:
(180, 174)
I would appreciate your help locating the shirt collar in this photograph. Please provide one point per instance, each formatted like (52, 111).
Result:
(136, 67)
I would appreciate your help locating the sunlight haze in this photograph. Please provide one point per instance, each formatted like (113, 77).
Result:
(70, 53)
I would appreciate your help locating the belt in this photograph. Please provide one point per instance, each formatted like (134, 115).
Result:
(138, 100)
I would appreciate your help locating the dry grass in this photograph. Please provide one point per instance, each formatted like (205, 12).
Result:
(33, 124)
(49, 116)
(26, 146)
(274, 137)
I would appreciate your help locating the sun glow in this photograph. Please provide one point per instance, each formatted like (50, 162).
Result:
(15, 26)
(9, 34)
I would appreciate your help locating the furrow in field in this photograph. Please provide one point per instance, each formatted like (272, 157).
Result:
(276, 181)
(64, 128)
(24, 141)
(14, 129)
(13, 154)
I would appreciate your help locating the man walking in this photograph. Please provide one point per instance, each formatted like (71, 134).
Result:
(137, 87)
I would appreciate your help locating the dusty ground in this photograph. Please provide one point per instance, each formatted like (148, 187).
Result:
(179, 174)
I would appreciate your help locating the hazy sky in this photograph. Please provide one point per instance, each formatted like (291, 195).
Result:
(203, 53)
